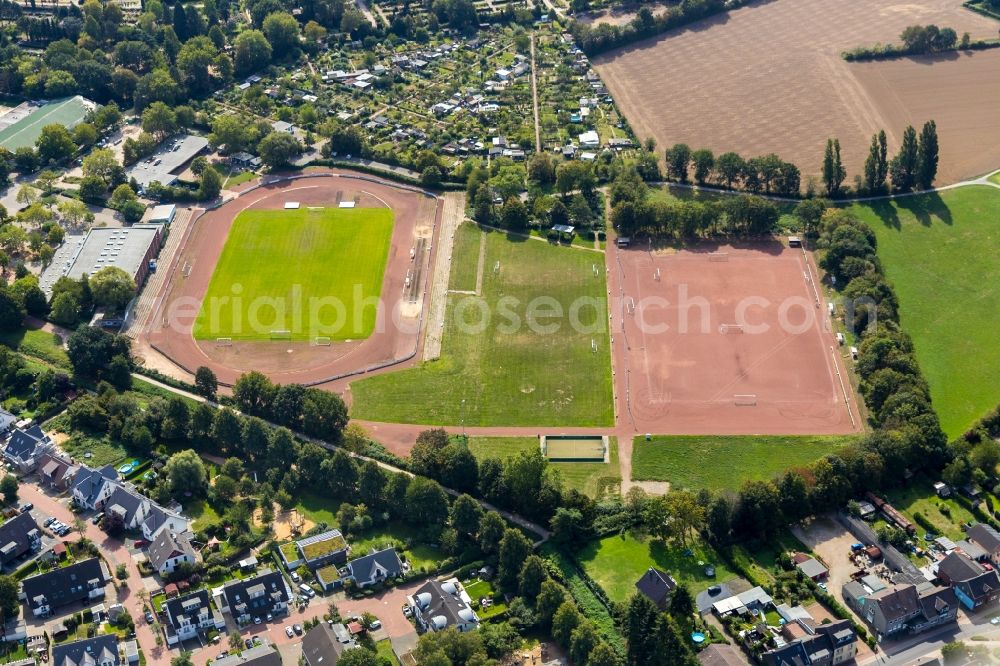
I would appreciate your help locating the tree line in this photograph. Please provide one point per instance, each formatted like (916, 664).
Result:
(767, 174)
(634, 213)
(913, 167)
(920, 40)
(602, 36)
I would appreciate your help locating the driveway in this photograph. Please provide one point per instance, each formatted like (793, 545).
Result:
(387, 607)
(115, 553)
(832, 543)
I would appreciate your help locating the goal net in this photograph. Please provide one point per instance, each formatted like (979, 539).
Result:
(726, 329)
(322, 341)
(281, 335)
(223, 342)
(718, 256)
(745, 400)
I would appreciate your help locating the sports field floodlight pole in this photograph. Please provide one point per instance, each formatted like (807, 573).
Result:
(463, 417)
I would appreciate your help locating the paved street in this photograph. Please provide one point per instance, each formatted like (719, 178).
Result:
(115, 553)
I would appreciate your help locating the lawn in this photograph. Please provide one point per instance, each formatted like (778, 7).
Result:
(384, 650)
(995, 178)
(593, 479)
(306, 271)
(39, 344)
(724, 462)
(101, 451)
(942, 254)
(241, 177)
(520, 355)
(946, 514)
(317, 508)
(617, 561)
(465, 258)
(202, 513)
(480, 589)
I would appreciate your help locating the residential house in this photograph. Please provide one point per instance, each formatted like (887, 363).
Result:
(319, 550)
(97, 651)
(80, 582)
(131, 651)
(190, 616)
(324, 643)
(375, 567)
(437, 606)
(168, 550)
(974, 585)
(752, 601)
(7, 421)
(56, 471)
(92, 486)
(988, 539)
(722, 654)
(820, 645)
(138, 512)
(255, 599)
(25, 446)
(899, 609)
(282, 126)
(259, 655)
(657, 586)
(19, 536)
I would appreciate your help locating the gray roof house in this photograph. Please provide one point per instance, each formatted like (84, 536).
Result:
(323, 644)
(168, 550)
(259, 655)
(56, 471)
(812, 568)
(905, 609)
(189, 616)
(657, 586)
(97, 651)
(18, 536)
(956, 567)
(7, 420)
(253, 599)
(375, 567)
(823, 645)
(437, 606)
(83, 581)
(987, 538)
(25, 446)
(140, 512)
(92, 486)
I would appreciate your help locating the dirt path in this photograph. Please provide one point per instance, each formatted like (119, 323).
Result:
(481, 266)
(534, 98)
(452, 214)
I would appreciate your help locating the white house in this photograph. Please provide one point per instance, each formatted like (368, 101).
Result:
(437, 606)
(589, 139)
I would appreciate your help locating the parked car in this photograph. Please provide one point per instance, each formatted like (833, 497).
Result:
(306, 590)
(49, 521)
(297, 628)
(714, 589)
(407, 611)
(97, 519)
(289, 632)
(150, 618)
(25, 508)
(375, 625)
(248, 643)
(256, 620)
(296, 578)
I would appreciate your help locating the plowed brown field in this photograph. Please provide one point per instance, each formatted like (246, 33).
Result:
(769, 78)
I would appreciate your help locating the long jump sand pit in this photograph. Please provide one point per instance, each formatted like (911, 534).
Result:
(300, 356)
(769, 78)
(728, 340)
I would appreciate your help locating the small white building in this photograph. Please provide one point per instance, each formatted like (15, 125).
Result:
(163, 214)
(590, 139)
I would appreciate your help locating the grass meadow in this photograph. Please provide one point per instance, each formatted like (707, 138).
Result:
(617, 561)
(504, 353)
(592, 479)
(289, 256)
(942, 254)
(724, 462)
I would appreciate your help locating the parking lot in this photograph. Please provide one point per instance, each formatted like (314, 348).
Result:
(832, 544)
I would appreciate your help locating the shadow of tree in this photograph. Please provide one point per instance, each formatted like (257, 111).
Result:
(926, 207)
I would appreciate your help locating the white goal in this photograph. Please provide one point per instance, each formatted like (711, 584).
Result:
(223, 342)
(745, 400)
(726, 329)
(718, 256)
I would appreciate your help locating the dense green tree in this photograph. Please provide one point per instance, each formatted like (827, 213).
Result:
(678, 160)
(928, 162)
(833, 168)
(206, 383)
(252, 51)
(282, 32)
(112, 287)
(904, 166)
(531, 577)
(54, 144)
(278, 149)
(514, 550)
(186, 474)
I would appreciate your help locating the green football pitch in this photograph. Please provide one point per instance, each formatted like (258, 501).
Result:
(298, 274)
(26, 131)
